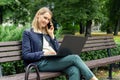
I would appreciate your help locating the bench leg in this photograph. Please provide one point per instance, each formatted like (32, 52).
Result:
(110, 72)
(110, 66)
(119, 65)
(1, 71)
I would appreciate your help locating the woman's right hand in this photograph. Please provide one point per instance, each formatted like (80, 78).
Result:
(51, 30)
(49, 53)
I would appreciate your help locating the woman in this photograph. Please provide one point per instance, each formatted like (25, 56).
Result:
(40, 41)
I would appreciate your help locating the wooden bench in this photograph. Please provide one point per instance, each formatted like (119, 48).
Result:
(11, 51)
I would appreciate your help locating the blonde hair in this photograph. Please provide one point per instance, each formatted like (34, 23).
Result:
(41, 11)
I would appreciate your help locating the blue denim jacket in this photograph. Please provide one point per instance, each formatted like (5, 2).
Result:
(32, 45)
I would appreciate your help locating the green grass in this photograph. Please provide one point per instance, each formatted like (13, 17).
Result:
(102, 74)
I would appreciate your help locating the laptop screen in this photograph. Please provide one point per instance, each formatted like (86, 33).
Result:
(72, 45)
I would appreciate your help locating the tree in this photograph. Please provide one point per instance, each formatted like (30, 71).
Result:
(1, 18)
(81, 12)
(2, 4)
(113, 14)
(19, 11)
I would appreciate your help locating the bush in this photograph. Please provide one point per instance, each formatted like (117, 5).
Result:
(70, 29)
(100, 54)
(11, 33)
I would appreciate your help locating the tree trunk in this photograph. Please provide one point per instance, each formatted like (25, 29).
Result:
(109, 29)
(117, 27)
(1, 17)
(81, 28)
(88, 28)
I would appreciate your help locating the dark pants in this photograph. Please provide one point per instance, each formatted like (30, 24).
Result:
(72, 65)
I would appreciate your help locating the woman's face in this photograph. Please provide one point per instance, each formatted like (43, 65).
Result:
(44, 19)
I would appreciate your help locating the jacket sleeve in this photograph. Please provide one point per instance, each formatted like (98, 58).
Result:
(27, 54)
(55, 43)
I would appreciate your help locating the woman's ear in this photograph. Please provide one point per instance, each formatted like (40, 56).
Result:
(37, 17)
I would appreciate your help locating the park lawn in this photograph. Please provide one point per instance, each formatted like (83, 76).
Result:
(102, 74)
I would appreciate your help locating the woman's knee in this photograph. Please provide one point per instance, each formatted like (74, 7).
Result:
(73, 70)
(75, 57)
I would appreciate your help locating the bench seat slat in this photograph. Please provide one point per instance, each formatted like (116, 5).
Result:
(32, 76)
(103, 61)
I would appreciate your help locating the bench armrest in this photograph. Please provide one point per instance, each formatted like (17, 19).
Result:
(28, 70)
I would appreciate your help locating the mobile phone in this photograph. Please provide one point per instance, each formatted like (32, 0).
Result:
(49, 25)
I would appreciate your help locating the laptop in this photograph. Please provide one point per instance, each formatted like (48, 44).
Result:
(71, 45)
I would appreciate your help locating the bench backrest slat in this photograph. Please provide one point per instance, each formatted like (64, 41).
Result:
(10, 48)
(96, 48)
(99, 43)
(8, 54)
(7, 59)
(10, 51)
